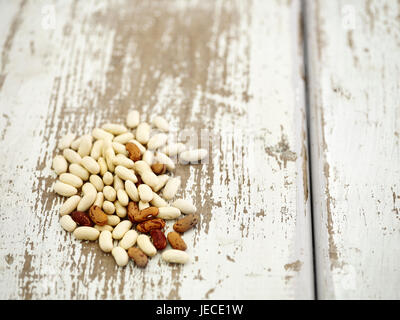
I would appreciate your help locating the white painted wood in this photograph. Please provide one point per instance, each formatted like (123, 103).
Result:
(232, 68)
(354, 88)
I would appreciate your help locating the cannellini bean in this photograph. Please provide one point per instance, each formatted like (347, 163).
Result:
(69, 205)
(145, 193)
(101, 134)
(79, 171)
(162, 180)
(75, 144)
(85, 146)
(131, 190)
(161, 123)
(120, 209)
(108, 178)
(186, 206)
(148, 157)
(192, 155)
(65, 142)
(97, 182)
(157, 141)
(99, 200)
(175, 256)
(67, 223)
(107, 143)
(171, 188)
(121, 256)
(141, 167)
(164, 159)
(97, 150)
(119, 148)
(150, 179)
(86, 233)
(122, 228)
(106, 241)
(122, 160)
(168, 213)
(129, 239)
(143, 132)
(114, 128)
(118, 183)
(110, 155)
(133, 119)
(139, 145)
(89, 196)
(60, 165)
(64, 189)
(125, 173)
(157, 201)
(103, 165)
(143, 205)
(108, 207)
(72, 156)
(144, 243)
(124, 138)
(122, 196)
(174, 149)
(90, 165)
(113, 220)
(109, 193)
(102, 228)
(71, 179)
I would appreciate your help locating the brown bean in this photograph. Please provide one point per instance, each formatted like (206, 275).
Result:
(98, 216)
(134, 151)
(147, 226)
(159, 168)
(186, 223)
(138, 257)
(158, 238)
(136, 215)
(176, 241)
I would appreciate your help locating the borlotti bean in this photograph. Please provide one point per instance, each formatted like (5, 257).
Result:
(60, 165)
(144, 243)
(125, 172)
(121, 256)
(175, 256)
(67, 223)
(69, 205)
(186, 206)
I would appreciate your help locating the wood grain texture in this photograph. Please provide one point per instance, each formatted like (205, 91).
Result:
(233, 69)
(354, 65)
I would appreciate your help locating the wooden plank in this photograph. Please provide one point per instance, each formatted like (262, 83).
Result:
(354, 91)
(233, 69)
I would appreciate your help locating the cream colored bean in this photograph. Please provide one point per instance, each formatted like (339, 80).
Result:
(64, 189)
(60, 165)
(133, 119)
(119, 148)
(186, 206)
(171, 188)
(121, 256)
(124, 138)
(157, 141)
(125, 173)
(175, 256)
(108, 207)
(162, 180)
(102, 228)
(67, 223)
(108, 178)
(118, 183)
(86, 233)
(131, 190)
(65, 142)
(101, 134)
(122, 228)
(85, 146)
(150, 179)
(79, 171)
(129, 239)
(141, 166)
(103, 165)
(120, 209)
(157, 201)
(99, 200)
(113, 220)
(122, 160)
(168, 213)
(97, 182)
(90, 165)
(110, 155)
(161, 124)
(139, 145)
(143, 205)
(164, 159)
(72, 156)
(71, 179)
(144, 243)
(69, 205)
(173, 149)
(89, 196)
(75, 144)
(107, 144)
(106, 243)
(122, 196)
(97, 150)
(114, 128)
(145, 193)
(143, 132)
(148, 157)
(192, 155)
(109, 193)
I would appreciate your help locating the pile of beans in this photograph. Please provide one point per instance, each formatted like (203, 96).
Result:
(119, 182)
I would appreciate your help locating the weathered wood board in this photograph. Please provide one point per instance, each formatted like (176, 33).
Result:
(231, 68)
(354, 64)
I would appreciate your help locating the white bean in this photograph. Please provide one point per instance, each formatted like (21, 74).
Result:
(171, 188)
(186, 206)
(67, 223)
(65, 142)
(113, 220)
(79, 171)
(118, 183)
(105, 227)
(122, 160)
(162, 180)
(72, 156)
(109, 193)
(164, 159)
(103, 165)
(120, 209)
(124, 138)
(101, 134)
(97, 182)
(145, 193)
(89, 196)
(161, 123)
(192, 155)
(75, 144)
(99, 200)
(60, 165)
(143, 205)
(97, 150)
(121, 256)
(131, 190)
(85, 146)
(108, 178)
(175, 256)
(141, 167)
(150, 179)
(148, 157)
(122, 228)
(157, 201)
(133, 119)
(106, 241)
(114, 128)
(90, 165)
(108, 207)
(119, 148)
(69, 205)
(125, 173)
(129, 239)
(86, 233)
(168, 213)
(64, 189)
(174, 149)
(157, 141)
(143, 132)
(122, 197)
(110, 155)
(144, 243)
(71, 179)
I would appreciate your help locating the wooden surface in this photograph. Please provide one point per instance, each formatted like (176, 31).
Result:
(231, 68)
(354, 69)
